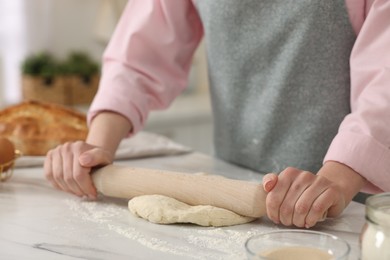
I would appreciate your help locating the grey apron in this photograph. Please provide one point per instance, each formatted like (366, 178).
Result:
(279, 76)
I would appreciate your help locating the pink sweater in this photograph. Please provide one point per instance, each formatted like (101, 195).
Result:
(155, 32)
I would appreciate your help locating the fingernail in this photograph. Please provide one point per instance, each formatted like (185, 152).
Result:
(307, 226)
(85, 159)
(323, 218)
(267, 185)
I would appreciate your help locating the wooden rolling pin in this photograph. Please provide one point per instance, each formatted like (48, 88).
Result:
(242, 197)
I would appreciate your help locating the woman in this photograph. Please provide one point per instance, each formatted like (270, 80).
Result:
(299, 88)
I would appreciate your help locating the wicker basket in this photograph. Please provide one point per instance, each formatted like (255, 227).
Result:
(63, 90)
(83, 90)
(56, 90)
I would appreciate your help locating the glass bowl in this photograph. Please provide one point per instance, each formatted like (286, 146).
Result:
(297, 244)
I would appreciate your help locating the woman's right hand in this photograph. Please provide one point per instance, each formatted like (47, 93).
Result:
(68, 167)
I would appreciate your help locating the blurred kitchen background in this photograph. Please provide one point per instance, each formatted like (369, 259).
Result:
(59, 27)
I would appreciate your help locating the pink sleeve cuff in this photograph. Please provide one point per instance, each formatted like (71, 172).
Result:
(115, 96)
(364, 155)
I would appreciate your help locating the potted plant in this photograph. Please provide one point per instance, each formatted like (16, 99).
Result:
(41, 79)
(73, 81)
(83, 74)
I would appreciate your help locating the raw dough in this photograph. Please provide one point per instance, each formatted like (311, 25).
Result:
(165, 210)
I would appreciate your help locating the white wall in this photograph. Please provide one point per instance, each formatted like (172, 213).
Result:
(63, 25)
(12, 43)
(58, 26)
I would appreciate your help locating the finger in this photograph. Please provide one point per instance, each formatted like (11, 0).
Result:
(306, 201)
(269, 181)
(67, 158)
(319, 208)
(288, 214)
(83, 178)
(47, 167)
(58, 174)
(94, 157)
(275, 198)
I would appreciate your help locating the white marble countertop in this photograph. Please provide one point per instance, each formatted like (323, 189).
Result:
(39, 222)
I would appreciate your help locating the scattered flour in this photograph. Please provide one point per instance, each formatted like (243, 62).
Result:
(151, 243)
(93, 211)
(194, 242)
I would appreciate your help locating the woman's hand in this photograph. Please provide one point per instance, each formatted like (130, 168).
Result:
(301, 198)
(68, 167)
